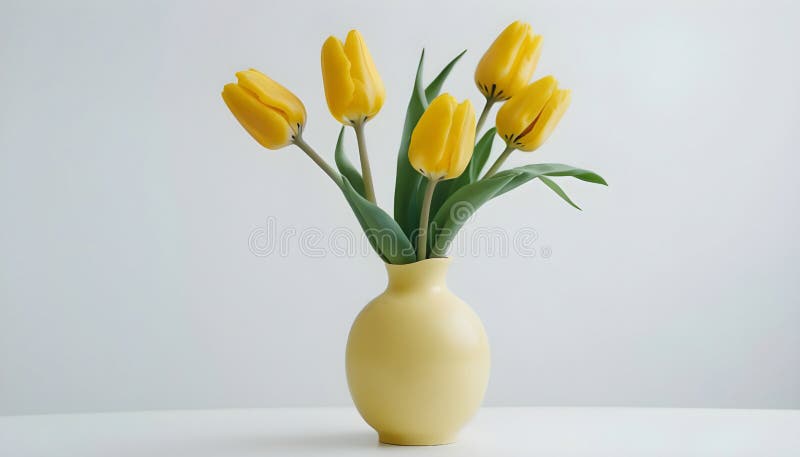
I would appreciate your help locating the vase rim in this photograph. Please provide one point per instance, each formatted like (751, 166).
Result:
(432, 260)
(417, 274)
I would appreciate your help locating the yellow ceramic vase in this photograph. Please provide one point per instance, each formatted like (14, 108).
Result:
(417, 358)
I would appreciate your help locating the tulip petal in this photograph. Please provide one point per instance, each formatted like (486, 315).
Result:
(496, 70)
(359, 107)
(461, 139)
(339, 86)
(524, 65)
(274, 95)
(370, 93)
(429, 139)
(517, 114)
(551, 114)
(265, 124)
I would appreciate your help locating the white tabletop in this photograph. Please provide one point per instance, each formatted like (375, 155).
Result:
(495, 432)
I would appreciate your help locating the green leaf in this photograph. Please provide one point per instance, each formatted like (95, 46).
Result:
(348, 191)
(558, 190)
(442, 193)
(436, 85)
(346, 168)
(459, 208)
(406, 211)
(526, 173)
(480, 155)
(559, 169)
(383, 233)
(407, 192)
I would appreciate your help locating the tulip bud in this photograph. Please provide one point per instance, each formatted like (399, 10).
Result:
(353, 87)
(441, 143)
(525, 121)
(509, 63)
(268, 111)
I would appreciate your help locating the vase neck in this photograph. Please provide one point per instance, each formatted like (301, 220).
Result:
(423, 274)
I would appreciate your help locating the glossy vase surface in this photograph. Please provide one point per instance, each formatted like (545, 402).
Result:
(417, 358)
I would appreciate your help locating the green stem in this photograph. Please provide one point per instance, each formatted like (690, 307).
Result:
(486, 108)
(369, 188)
(497, 163)
(335, 176)
(422, 238)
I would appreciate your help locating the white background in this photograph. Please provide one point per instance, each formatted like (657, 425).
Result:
(128, 194)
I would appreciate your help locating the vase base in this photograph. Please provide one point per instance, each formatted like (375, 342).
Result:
(399, 439)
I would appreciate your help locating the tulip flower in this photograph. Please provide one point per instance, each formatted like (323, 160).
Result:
(268, 111)
(440, 148)
(353, 87)
(441, 144)
(271, 114)
(527, 120)
(354, 91)
(507, 65)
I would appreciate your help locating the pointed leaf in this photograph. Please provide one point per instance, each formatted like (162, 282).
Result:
(558, 190)
(346, 168)
(348, 191)
(407, 180)
(559, 169)
(442, 193)
(436, 85)
(459, 208)
(407, 193)
(483, 149)
(526, 173)
(383, 233)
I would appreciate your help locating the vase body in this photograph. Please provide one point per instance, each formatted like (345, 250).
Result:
(417, 358)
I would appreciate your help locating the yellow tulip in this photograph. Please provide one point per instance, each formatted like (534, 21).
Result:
(527, 120)
(509, 63)
(441, 144)
(353, 87)
(268, 111)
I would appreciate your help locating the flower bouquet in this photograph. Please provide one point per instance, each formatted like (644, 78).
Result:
(417, 356)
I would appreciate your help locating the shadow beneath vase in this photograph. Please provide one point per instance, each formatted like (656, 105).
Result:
(264, 445)
(367, 438)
